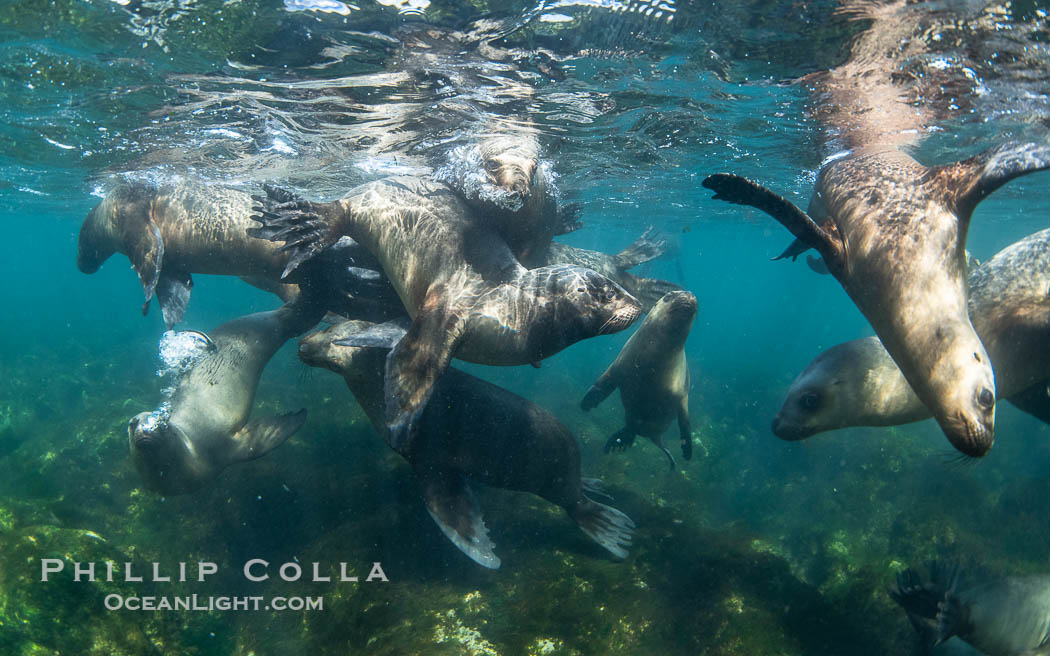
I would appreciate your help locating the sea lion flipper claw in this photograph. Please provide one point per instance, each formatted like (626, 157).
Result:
(260, 436)
(305, 227)
(418, 361)
(740, 190)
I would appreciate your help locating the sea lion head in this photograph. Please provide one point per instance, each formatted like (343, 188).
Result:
(498, 172)
(124, 209)
(161, 453)
(317, 350)
(596, 304)
(837, 389)
(674, 314)
(963, 387)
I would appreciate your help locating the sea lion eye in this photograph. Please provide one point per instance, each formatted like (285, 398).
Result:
(986, 399)
(809, 400)
(580, 290)
(491, 165)
(610, 295)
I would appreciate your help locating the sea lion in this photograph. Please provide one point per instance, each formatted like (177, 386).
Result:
(653, 377)
(503, 179)
(893, 232)
(858, 384)
(472, 430)
(204, 428)
(1000, 617)
(459, 281)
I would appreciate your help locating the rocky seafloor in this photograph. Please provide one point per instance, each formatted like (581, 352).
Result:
(755, 547)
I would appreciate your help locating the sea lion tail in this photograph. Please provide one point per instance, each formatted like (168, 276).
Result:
(605, 525)
(644, 249)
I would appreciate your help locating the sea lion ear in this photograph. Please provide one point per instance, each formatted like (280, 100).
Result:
(739, 190)
(260, 436)
(970, 181)
(145, 248)
(419, 359)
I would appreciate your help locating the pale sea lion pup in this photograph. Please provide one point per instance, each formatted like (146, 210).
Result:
(858, 384)
(466, 293)
(653, 376)
(205, 427)
(1000, 617)
(893, 233)
(472, 431)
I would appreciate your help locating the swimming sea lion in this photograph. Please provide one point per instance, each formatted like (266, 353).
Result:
(653, 377)
(858, 384)
(205, 428)
(472, 430)
(1000, 617)
(467, 294)
(893, 232)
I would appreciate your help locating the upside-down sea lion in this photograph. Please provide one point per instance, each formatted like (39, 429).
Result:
(472, 430)
(1000, 617)
(858, 384)
(467, 294)
(893, 233)
(653, 376)
(205, 428)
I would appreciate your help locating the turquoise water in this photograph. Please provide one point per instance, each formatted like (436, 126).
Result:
(756, 546)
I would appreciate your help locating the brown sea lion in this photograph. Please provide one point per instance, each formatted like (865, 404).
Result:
(858, 384)
(467, 294)
(472, 431)
(204, 427)
(893, 233)
(653, 377)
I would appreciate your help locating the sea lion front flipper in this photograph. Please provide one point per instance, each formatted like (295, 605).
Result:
(173, 295)
(817, 265)
(642, 250)
(305, 227)
(260, 436)
(418, 360)
(384, 335)
(1035, 400)
(970, 181)
(569, 218)
(452, 504)
(601, 388)
(145, 247)
(605, 525)
(685, 428)
(739, 190)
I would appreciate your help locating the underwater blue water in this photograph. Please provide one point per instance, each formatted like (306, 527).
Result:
(800, 539)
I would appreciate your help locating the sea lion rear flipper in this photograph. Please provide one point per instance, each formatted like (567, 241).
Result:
(173, 295)
(260, 436)
(970, 181)
(642, 250)
(385, 335)
(739, 190)
(601, 388)
(452, 504)
(1035, 400)
(305, 227)
(416, 363)
(568, 219)
(605, 525)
